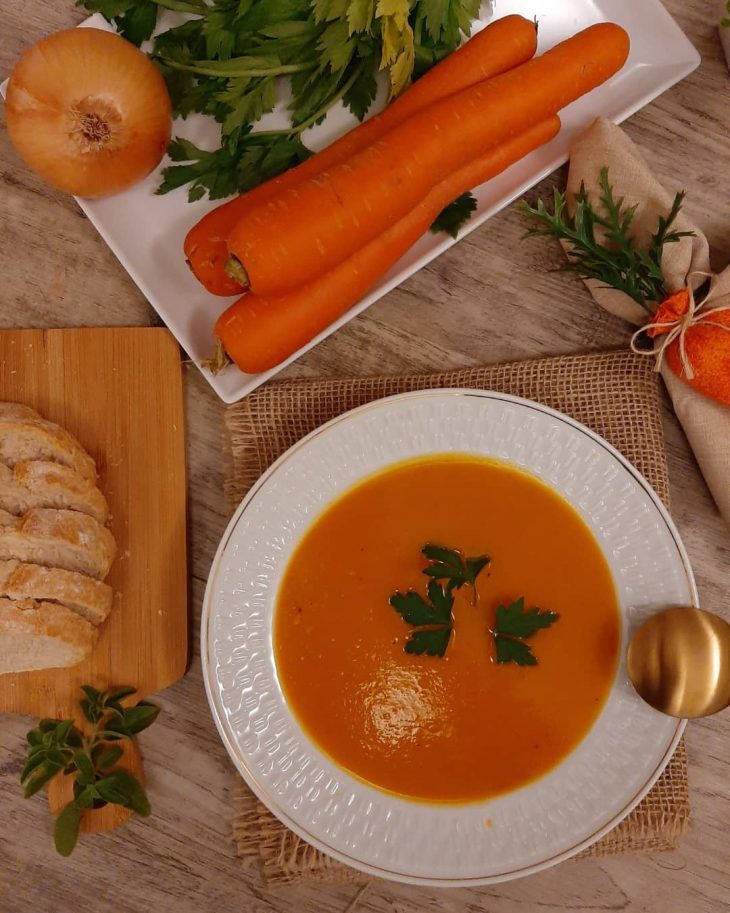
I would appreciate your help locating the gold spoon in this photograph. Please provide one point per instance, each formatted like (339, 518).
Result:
(679, 662)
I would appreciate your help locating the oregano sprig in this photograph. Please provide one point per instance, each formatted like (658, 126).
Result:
(59, 747)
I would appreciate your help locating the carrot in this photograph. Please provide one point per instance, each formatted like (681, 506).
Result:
(307, 230)
(497, 48)
(259, 333)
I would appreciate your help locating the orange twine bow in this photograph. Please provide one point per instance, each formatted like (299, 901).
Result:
(676, 315)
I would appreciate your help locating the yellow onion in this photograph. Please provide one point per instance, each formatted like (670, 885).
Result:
(88, 111)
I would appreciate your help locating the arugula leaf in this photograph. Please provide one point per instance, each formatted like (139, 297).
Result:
(455, 215)
(432, 642)
(513, 625)
(513, 651)
(447, 564)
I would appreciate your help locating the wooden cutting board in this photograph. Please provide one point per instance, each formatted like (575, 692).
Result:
(119, 391)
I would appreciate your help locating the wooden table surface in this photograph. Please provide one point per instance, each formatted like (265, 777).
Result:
(488, 299)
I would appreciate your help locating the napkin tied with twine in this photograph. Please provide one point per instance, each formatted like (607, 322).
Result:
(685, 268)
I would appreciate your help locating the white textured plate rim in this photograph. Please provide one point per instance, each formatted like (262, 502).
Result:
(239, 761)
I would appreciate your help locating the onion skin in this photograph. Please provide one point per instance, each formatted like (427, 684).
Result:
(88, 111)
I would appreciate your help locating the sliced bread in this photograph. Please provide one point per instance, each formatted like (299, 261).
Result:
(64, 539)
(89, 598)
(40, 483)
(42, 635)
(24, 435)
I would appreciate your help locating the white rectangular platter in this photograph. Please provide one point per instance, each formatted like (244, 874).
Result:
(146, 231)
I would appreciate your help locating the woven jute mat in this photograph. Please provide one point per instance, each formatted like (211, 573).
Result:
(615, 394)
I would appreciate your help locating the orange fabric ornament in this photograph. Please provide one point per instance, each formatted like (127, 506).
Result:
(698, 347)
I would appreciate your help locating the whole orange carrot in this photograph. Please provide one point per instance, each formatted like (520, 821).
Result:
(259, 333)
(498, 47)
(308, 229)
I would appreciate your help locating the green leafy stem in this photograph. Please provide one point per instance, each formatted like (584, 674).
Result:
(59, 747)
(601, 245)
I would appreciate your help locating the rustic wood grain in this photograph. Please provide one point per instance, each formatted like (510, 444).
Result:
(489, 298)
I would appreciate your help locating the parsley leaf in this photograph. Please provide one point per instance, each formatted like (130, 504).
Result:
(513, 625)
(434, 612)
(224, 172)
(432, 642)
(415, 610)
(447, 564)
(455, 215)
(515, 621)
(513, 651)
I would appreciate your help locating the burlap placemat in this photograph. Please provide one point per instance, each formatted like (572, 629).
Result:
(615, 394)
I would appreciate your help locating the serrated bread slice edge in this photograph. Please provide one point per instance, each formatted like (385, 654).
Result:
(42, 635)
(42, 483)
(24, 437)
(64, 539)
(89, 598)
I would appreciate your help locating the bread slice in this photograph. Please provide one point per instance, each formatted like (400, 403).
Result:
(42, 635)
(64, 539)
(24, 435)
(40, 483)
(89, 598)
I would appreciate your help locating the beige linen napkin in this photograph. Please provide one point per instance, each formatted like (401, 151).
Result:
(705, 421)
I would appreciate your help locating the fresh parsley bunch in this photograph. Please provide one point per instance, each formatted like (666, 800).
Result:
(226, 59)
(58, 746)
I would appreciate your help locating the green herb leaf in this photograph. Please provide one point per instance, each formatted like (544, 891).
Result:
(119, 695)
(513, 651)
(86, 797)
(107, 757)
(431, 642)
(122, 788)
(40, 776)
(84, 766)
(140, 717)
(601, 246)
(415, 610)
(66, 829)
(360, 15)
(34, 738)
(34, 761)
(516, 622)
(455, 215)
(436, 613)
(361, 94)
(513, 625)
(447, 564)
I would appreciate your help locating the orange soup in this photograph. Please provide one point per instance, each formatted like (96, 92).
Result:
(459, 727)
